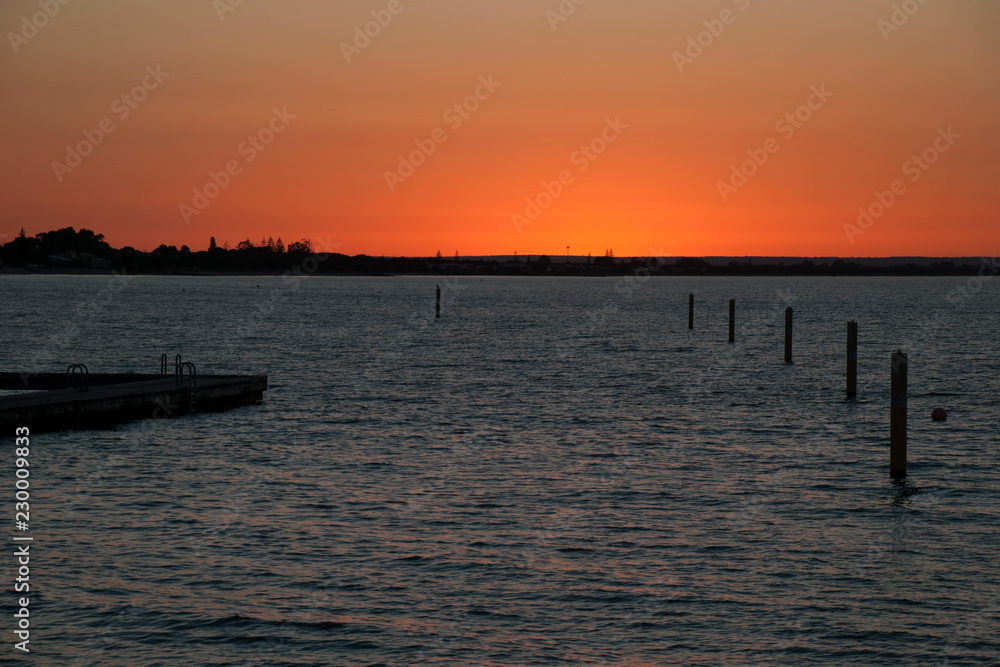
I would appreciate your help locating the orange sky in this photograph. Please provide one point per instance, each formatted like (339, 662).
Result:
(654, 189)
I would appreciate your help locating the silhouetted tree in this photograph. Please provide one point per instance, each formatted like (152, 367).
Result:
(304, 246)
(68, 239)
(22, 250)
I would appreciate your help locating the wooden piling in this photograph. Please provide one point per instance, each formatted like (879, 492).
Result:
(732, 320)
(852, 359)
(897, 424)
(788, 335)
(691, 311)
(437, 305)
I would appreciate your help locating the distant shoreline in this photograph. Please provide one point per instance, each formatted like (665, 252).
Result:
(564, 272)
(70, 252)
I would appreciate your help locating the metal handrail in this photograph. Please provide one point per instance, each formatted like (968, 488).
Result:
(192, 372)
(77, 369)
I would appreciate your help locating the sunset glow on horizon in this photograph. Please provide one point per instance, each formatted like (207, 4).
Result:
(731, 127)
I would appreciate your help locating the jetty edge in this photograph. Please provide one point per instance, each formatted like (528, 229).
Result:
(76, 401)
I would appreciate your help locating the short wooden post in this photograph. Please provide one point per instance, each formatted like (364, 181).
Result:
(691, 311)
(897, 425)
(852, 359)
(788, 335)
(437, 305)
(732, 320)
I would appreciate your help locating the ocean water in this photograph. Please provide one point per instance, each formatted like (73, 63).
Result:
(555, 472)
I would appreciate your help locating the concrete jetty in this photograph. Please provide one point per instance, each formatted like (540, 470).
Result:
(59, 401)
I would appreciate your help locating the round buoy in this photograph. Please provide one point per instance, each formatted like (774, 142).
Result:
(939, 415)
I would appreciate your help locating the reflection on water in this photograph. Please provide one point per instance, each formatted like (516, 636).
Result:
(555, 472)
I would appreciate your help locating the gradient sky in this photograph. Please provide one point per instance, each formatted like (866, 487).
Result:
(655, 190)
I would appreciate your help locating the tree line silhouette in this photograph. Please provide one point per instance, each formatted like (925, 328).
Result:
(69, 249)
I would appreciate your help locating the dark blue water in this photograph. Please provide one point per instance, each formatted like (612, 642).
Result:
(556, 472)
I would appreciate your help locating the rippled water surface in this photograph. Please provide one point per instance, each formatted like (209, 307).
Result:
(556, 472)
